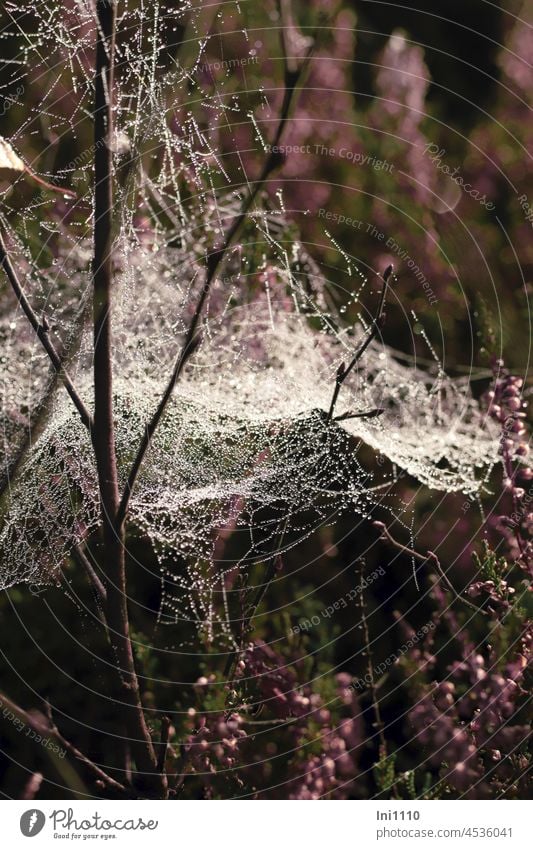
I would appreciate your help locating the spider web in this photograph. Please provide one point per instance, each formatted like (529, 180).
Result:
(245, 442)
(245, 435)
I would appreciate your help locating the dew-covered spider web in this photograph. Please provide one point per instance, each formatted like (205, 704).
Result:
(245, 435)
(245, 441)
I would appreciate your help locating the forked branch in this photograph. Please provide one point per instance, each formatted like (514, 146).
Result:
(423, 558)
(41, 728)
(343, 371)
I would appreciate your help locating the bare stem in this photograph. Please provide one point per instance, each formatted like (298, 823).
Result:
(275, 565)
(378, 722)
(343, 371)
(42, 332)
(104, 431)
(39, 415)
(82, 558)
(40, 728)
(163, 743)
(424, 558)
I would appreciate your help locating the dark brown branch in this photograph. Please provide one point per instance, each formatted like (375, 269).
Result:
(104, 431)
(41, 330)
(41, 729)
(367, 414)
(370, 670)
(39, 415)
(423, 558)
(163, 743)
(102, 271)
(343, 371)
(97, 584)
(214, 262)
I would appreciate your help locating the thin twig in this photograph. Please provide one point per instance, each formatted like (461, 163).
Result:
(248, 615)
(370, 670)
(275, 565)
(368, 414)
(79, 555)
(42, 331)
(40, 729)
(424, 558)
(163, 743)
(39, 415)
(343, 371)
(214, 262)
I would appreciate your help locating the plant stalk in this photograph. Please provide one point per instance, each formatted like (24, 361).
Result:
(114, 555)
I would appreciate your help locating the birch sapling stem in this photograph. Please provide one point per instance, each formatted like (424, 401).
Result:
(104, 430)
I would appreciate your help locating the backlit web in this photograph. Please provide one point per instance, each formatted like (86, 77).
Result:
(244, 443)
